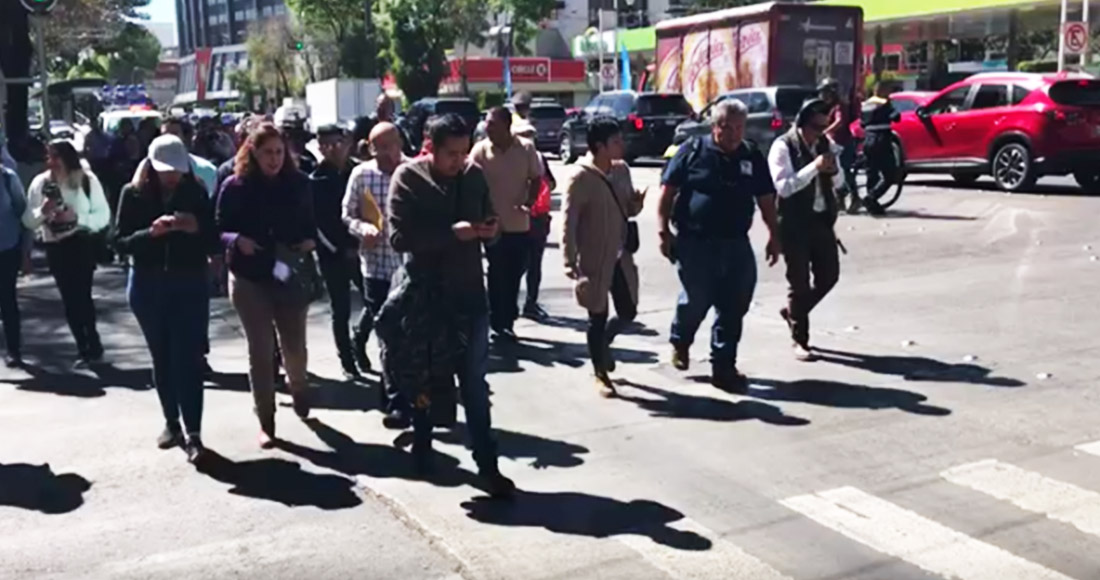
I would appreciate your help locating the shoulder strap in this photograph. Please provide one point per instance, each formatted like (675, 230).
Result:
(611, 190)
(86, 183)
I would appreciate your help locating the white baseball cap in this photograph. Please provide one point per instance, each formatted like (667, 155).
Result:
(168, 153)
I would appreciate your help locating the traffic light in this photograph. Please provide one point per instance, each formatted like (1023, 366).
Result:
(38, 6)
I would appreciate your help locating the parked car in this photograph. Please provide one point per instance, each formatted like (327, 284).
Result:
(771, 112)
(548, 118)
(903, 101)
(648, 121)
(412, 122)
(1016, 127)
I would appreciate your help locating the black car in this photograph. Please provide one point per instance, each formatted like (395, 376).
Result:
(418, 114)
(547, 118)
(771, 112)
(648, 121)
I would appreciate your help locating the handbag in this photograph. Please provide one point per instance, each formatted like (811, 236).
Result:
(298, 285)
(633, 240)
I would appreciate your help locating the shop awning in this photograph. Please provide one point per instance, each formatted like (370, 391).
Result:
(886, 10)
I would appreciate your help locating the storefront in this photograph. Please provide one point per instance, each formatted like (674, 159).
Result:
(561, 79)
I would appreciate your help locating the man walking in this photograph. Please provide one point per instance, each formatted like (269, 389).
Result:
(441, 215)
(513, 169)
(804, 165)
(365, 209)
(709, 190)
(338, 250)
(878, 147)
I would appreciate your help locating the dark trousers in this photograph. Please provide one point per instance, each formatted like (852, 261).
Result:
(377, 290)
(718, 273)
(601, 331)
(10, 262)
(813, 268)
(72, 265)
(882, 166)
(474, 390)
(171, 307)
(507, 261)
(540, 231)
(340, 273)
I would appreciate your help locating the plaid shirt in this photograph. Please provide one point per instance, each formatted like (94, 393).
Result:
(381, 261)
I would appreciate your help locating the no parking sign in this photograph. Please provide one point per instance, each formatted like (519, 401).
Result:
(1075, 37)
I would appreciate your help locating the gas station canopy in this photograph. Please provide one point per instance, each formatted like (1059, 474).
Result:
(882, 11)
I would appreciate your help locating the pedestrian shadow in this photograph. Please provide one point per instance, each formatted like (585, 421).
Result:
(918, 368)
(38, 488)
(350, 457)
(542, 452)
(913, 214)
(671, 405)
(505, 357)
(326, 393)
(581, 325)
(581, 514)
(843, 395)
(989, 186)
(281, 481)
(84, 384)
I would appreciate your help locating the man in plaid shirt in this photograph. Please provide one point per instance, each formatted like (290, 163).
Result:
(365, 209)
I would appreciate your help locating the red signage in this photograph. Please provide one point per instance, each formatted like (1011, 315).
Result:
(202, 70)
(524, 70)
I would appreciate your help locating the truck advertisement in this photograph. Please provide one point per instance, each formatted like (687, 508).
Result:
(708, 54)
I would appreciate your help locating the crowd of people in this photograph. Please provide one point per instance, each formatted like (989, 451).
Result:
(409, 235)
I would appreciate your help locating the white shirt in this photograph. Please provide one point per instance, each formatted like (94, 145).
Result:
(789, 182)
(92, 212)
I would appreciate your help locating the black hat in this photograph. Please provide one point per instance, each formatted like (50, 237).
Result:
(331, 130)
(810, 108)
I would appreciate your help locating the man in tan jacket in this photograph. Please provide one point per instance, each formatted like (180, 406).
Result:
(599, 200)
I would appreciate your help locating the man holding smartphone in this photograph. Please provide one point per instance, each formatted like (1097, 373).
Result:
(804, 165)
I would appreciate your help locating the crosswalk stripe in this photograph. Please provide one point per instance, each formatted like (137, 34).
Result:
(1060, 501)
(913, 538)
(1090, 448)
(722, 560)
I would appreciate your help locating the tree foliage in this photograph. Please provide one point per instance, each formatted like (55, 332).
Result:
(75, 25)
(342, 34)
(130, 56)
(272, 59)
(524, 16)
(420, 32)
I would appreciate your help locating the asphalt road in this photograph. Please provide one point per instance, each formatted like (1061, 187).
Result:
(945, 435)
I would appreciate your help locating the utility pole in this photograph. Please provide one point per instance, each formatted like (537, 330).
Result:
(39, 9)
(1062, 36)
(1088, 34)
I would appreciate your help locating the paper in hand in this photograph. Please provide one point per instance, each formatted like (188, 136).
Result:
(281, 271)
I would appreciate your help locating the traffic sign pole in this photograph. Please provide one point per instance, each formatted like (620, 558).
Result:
(1062, 37)
(44, 74)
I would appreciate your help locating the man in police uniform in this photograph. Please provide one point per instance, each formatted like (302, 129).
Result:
(804, 165)
(710, 190)
(882, 167)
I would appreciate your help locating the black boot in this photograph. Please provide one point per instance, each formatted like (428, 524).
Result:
(359, 351)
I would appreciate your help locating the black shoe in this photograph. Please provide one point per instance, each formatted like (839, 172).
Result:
(169, 438)
(13, 361)
(359, 353)
(505, 335)
(397, 420)
(82, 364)
(196, 451)
(681, 358)
(301, 404)
(873, 207)
(605, 385)
(498, 486)
(350, 372)
(535, 312)
(730, 380)
(609, 359)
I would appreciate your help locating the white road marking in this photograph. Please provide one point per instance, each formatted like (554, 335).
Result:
(722, 560)
(1090, 448)
(1031, 491)
(913, 538)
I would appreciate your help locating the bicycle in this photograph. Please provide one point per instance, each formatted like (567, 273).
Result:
(891, 196)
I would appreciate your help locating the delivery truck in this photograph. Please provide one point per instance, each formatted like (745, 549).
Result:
(776, 43)
(341, 100)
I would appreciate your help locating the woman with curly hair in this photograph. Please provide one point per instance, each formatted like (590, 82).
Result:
(265, 217)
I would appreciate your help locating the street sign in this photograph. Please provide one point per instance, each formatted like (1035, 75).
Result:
(38, 6)
(1075, 35)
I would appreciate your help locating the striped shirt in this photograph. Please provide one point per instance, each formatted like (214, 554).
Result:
(381, 261)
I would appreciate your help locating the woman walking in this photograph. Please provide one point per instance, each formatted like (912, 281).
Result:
(597, 243)
(165, 225)
(69, 208)
(265, 217)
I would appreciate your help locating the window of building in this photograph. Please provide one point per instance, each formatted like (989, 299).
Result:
(265, 11)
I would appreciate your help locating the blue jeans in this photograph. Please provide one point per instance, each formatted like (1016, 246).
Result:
(719, 273)
(171, 309)
(474, 390)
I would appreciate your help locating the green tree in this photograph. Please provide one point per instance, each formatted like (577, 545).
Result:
(524, 17)
(76, 25)
(470, 29)
(420, 32)
(343, 33)
(272, 58)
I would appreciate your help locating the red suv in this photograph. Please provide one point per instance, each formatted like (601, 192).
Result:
(1016, 127)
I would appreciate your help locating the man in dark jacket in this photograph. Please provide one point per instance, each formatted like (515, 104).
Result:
(337, 250)
(441, 216)
(882, 167)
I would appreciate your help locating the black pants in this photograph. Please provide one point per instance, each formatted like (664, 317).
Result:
(882, 166)
(377, 290)
(72, 265)
(601, 331)
(809, 250)
(507, 261)
(340, 273)
(540, 231)
(10, 262)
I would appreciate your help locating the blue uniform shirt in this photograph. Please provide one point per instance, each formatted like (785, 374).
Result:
(717, 190)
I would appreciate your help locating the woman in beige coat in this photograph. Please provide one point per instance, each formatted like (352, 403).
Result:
(599, 199)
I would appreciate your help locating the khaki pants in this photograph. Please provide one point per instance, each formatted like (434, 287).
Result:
(260, 307)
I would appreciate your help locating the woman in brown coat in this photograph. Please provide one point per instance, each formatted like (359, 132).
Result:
(599, 200)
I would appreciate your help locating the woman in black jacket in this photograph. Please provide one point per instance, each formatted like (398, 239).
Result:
(165, 225)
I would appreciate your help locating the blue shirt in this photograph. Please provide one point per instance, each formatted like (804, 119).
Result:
(717, 190)
(13, 208)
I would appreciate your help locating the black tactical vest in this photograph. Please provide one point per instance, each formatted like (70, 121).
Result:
(797, 210)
